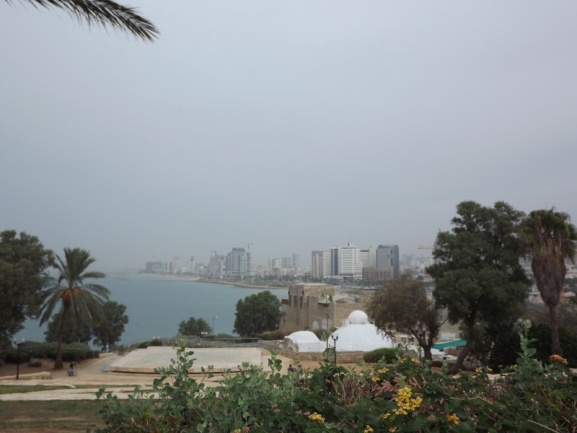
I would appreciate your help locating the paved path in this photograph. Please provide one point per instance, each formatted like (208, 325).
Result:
(101, 371)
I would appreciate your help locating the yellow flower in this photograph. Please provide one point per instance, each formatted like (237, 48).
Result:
(316, 417)
(404, 401)
(385, 415)
(453, 419)
(383, 370)
(393, 429)
(236, 430)
(375, 378)
(368, 429)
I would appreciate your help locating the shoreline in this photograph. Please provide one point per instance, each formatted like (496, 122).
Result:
(241, 284)
(190, 278)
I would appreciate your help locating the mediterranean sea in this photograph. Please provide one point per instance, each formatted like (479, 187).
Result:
(156, 305)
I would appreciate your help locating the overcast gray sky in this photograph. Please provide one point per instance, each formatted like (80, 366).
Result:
(294, 125)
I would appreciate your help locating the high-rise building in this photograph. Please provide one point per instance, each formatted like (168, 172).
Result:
(387, 257)
(295, 258)
(321, 265)
(238, 263)
(274, 263)
(215, 266)
(317, 265)
(346, 261)
(286, 262)
(369, 257)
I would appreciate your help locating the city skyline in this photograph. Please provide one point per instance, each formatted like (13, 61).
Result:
(289, 127)
(345, 260)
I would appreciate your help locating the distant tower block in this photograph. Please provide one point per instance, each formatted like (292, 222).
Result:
(192, 265)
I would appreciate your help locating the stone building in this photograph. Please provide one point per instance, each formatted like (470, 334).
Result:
(317, 307)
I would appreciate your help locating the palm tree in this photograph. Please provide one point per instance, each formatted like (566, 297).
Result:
(549, 239)
(74, 296)
(104, 13)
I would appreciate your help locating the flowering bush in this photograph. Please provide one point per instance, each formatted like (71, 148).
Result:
(403, 396)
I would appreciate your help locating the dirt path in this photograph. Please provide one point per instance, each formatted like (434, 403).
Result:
(92, 374)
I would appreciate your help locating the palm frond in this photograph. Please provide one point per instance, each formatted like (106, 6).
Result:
(104, 13)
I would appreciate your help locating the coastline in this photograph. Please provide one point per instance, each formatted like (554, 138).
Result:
(242, 285)
(190, 278)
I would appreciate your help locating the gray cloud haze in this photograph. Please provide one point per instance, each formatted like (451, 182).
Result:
(290, 125)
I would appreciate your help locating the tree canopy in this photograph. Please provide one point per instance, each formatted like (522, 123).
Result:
(549, 239)
(402, 305)
(256, 314)
(24, 264)
(109, 325)
(73, 295)
(477, 272)
(74, 331)
(194, 326)
(106, 13)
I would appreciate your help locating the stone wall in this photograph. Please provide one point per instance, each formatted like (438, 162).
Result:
(317, 307)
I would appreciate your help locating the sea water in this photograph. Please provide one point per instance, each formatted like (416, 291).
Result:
(156, 305)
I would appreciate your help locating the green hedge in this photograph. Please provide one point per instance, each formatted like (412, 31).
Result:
(29, 350)
(385, 354)
(402, 396)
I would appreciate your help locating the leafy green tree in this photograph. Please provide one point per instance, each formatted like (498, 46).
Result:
(109, 326)
(402, 305)
(24, 263)
(256, 314)
(74, 330)
(194, 326)
(72, 294)
(104, 13)
(549, 239)
(477, 272)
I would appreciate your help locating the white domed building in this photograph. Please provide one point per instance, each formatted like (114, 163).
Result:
(303, 342)
(359, 335)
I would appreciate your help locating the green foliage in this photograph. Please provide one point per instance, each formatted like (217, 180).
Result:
(194, 326)
(541, 336)
(108, 14)
(402, 305)
(387, 355)
(74, 330)
(549, 240)
(403, 396)
(273, 335)
(478, 275)
(29, 350)
(109, 326)
(23, 273)
(256, 314)
(74, 297)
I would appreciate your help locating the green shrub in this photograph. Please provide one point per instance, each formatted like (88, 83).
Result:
(402, 396)
(387, 354)
(273, 335)
(12, 356)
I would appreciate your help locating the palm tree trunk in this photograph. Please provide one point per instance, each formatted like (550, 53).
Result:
(58, 364)
(555, 343)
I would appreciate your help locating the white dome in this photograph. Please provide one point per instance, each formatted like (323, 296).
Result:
(303, 341)
(359, 335)
(358, 317)
(303, 337)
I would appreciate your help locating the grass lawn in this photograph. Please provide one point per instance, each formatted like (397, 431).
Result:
(76, 416)
(17, 389)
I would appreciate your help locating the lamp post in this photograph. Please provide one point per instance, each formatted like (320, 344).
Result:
(335, 338)
(213, 319)
(18, 344)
